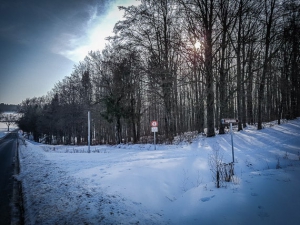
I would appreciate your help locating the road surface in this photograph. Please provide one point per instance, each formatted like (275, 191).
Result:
(8, 146)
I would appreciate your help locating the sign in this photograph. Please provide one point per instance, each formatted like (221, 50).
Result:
(154, 123)
(154, 129)
(228, 121)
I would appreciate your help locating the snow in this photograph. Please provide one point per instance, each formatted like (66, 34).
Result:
(3, 129)
(135, 184)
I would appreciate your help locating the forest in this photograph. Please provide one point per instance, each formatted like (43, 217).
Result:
(184, 63)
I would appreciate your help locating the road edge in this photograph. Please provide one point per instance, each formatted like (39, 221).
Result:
(17, 211)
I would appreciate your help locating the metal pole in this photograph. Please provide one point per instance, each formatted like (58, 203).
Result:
(89, 131)
(154, 141)
(232, 142)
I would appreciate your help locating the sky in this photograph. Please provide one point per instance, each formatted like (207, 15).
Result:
(41, 41)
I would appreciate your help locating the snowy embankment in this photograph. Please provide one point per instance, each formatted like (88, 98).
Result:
(135, 184)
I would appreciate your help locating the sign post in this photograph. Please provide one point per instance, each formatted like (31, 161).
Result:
(232, 142)
(154, 129)
(89, 131)
(230, 122)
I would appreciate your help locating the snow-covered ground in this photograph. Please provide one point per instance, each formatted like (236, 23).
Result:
(135, 184)
(3, 129)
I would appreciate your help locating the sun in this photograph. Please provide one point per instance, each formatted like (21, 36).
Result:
(197, 45)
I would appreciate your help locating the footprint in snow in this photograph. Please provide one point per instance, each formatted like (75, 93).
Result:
(263, 215)
(206, 199)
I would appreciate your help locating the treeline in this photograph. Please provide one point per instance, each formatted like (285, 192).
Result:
(186, 64)
(8, 107)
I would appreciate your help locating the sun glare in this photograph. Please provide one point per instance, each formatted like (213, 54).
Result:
(197, 45)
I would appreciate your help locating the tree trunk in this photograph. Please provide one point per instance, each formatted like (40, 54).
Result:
(239, 70)
(250, 86)
(266, 63)
(209, 85)
(118, 131)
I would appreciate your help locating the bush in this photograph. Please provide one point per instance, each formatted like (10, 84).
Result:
(222, 172)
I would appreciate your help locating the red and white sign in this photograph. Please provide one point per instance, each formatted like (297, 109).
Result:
(154, 123)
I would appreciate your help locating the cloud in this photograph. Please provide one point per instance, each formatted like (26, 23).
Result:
(40, 23)
(71, 28)
(41, 40)
(99, 27)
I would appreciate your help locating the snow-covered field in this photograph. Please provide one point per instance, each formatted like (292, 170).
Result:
(3, 129)
(135, 184)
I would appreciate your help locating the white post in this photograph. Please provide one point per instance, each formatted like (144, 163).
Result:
(232, 142)
(154, 141)
(89, 131)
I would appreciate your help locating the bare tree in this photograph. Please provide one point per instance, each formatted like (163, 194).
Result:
(271, 13)
(201, 16)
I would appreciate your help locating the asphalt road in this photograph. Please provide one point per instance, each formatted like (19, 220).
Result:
(8, 146)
